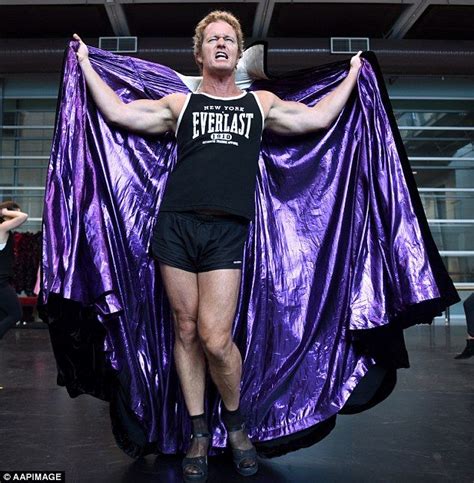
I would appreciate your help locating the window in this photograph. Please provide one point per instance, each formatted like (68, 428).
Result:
(25, 145)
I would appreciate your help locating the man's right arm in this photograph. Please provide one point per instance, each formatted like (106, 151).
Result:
(144, 116)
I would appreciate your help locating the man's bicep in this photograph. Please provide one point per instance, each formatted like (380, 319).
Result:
(289, 117)
(147, 116)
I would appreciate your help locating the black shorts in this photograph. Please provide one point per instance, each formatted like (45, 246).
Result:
(198, 242)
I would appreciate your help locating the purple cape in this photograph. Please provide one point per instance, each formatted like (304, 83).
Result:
(338, 260)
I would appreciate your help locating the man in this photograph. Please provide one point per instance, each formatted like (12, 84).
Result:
(203, 220)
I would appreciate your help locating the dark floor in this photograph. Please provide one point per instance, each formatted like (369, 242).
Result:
(422, 433)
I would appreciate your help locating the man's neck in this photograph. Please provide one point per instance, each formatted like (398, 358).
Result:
(219, 86)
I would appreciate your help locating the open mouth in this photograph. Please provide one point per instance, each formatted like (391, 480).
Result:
(221, 55)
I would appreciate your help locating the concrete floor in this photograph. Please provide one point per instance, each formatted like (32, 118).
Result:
(422, 433)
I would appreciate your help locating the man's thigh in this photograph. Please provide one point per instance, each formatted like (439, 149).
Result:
(182, 290)
(218, 297)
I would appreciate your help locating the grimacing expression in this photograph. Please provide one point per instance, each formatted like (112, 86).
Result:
(219, 50)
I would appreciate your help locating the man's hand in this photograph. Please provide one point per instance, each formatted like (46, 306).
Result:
(83, 52)
(144, 116)
(356, 61)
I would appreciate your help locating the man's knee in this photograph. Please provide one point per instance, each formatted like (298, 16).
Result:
(185, 328)
(216, 345)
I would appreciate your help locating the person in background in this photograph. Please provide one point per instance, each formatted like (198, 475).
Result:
(11, 217)
(469, 311)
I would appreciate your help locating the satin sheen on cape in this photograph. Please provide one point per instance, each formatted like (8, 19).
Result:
(338, 261)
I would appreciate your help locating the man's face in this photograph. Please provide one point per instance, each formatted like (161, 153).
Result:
(219, 50)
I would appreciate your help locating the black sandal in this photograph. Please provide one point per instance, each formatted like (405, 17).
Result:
(240, 455)
(199, 462)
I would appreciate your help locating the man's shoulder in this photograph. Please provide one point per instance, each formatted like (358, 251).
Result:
(175, 98)
(263, 95)
(175, 102)
(266, 99)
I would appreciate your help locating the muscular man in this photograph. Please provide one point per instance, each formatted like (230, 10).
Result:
(202, 225)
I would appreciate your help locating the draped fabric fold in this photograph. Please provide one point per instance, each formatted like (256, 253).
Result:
(338, 260)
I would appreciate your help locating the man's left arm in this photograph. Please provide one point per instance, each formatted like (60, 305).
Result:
(286, 117)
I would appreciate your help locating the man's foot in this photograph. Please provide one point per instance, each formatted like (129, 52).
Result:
(244, 453)
(468, 350)
(195, 462)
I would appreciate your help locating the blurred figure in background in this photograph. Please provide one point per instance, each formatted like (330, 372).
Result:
(11, 217)
(469, 311)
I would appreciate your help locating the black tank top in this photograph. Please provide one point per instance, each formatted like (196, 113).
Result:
(6, 261)
(218, 142)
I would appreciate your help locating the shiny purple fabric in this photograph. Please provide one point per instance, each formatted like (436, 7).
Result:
(335, 248)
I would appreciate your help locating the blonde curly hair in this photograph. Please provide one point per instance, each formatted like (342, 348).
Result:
(216, 16)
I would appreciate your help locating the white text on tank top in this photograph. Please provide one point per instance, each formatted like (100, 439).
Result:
(219, 123)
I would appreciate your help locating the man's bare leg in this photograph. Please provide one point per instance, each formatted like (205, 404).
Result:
(182, 291)
(218, 296)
